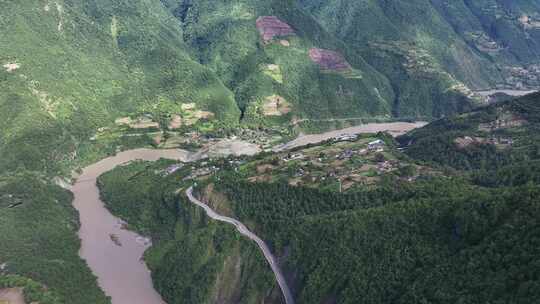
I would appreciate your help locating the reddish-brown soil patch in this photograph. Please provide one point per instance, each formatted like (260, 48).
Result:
(158, 138)
(329, 60)
(270, 27)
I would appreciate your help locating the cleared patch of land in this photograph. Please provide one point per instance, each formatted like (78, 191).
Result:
(270, 27)
(12, 296)
(232, 147)
(176, 122)
(275, 106)
(10, 67)
(329, 60)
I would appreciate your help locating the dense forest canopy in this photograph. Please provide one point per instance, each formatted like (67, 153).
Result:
(466, 234)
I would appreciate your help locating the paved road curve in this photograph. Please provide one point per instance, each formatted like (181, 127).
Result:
(245, 231)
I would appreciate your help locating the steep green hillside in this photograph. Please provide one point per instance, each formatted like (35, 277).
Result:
(438, 241)
(224, 36)
(68, 68)
(453, 236)
(488, 138)
(80, 79)
(71, 67)
(512, 25)
(478, 44)
(193, 259)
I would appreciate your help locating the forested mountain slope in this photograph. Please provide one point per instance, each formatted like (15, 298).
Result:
(234, 39)
(479, 44)
(489, 138)
(72, 67)
(68, 68)
(411, 229)
(80, 79)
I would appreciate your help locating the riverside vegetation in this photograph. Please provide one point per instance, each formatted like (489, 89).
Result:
(447, 234)
(70, 68)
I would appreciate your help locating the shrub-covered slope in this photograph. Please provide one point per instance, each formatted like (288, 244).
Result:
(70, 67)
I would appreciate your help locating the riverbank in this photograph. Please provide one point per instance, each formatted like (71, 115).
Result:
(115, 254)
(394, 128)
(119, 268)
(513, 93)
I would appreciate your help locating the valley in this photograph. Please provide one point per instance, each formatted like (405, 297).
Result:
(295, 199)
(375, 151)
(396, 128)
(117, 261)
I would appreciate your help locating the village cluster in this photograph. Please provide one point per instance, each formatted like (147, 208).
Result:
(346, 161)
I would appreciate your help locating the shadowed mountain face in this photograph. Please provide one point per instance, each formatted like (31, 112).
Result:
(397, 78)
(478, 42)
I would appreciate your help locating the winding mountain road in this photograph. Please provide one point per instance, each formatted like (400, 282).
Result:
(245, 231)
(119, 269)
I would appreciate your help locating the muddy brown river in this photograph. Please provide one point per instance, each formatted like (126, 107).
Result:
(114, 254)
(394, 128)
(120, 270)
